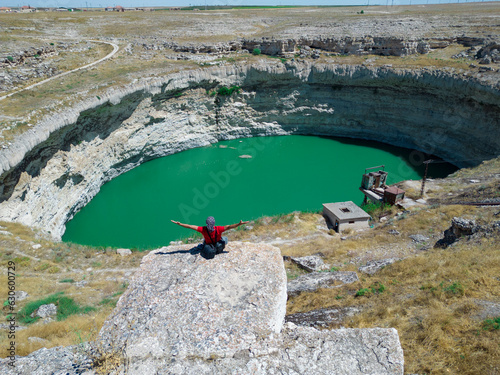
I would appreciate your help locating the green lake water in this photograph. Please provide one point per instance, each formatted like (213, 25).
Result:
(285, 174)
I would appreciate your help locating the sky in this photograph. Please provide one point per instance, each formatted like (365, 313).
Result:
(201, 3)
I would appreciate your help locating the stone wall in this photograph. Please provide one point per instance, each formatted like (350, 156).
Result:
(54, 169)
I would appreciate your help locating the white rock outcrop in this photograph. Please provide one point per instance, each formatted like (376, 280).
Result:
(180, 304)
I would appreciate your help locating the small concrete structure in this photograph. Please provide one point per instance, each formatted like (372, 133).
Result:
(345, 215)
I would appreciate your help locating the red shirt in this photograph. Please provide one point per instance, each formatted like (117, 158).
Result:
(217, 235)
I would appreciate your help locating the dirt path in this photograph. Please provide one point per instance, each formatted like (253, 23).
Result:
(111, 54)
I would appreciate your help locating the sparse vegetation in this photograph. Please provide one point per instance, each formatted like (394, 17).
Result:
(256, 51)
(228, 91)
(491, 324)
(65, 307)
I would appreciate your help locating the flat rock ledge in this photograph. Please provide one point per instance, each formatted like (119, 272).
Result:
(180, 304)
(183, 314)
(311, 282)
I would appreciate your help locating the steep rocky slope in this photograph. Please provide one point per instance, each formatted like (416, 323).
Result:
(57, 167)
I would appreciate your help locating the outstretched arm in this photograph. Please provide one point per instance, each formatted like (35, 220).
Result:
(193, 227)
(235, 225)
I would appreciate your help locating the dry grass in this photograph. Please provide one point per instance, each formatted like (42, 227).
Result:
(434, 319)
(57, 267)
(74, 330)
(430, 297)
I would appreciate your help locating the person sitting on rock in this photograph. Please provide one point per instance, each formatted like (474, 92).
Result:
(213, 242)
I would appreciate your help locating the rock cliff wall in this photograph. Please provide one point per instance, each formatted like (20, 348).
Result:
(57, 167)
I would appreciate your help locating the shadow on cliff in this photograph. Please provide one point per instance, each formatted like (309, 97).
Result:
(98, 122)
(193, 251)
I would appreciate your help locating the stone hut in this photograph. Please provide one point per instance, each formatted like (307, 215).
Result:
(345, 215)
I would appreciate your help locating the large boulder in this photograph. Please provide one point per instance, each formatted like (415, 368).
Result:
(180, 304)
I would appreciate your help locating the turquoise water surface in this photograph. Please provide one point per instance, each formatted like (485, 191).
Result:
(284, 174)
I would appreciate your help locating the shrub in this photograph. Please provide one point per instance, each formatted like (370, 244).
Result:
(228, 91)
(371, 207)
(10, 58)
(376, 288)
(455, 289)
(65, 307)
(256, 51)
(491, 324)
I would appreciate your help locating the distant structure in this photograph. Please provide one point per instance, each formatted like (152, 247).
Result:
(373, 186)
(27, 9)
(344, 215)
(5, 10)
(117, 8)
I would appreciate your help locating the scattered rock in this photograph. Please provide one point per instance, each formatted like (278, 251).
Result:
(315, 280)
(69, 360)
(486, 60)
(484, 69)
(4, 232)
(376, 265)
(418, 238)
(7, 327)
(38, 340)
(394, 232)
(36, 246)
(124, 252)
(310, 263)
(45, 311)
(488, 310)
(459, 227)
(81, 283)
(21, 295)
(172, 243)
(322, 317)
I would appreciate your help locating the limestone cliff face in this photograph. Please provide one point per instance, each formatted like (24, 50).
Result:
(57, 167)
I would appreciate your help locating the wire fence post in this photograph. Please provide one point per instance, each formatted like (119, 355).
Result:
(425, 176)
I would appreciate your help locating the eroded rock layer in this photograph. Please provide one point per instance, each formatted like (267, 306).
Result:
(53, 170)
